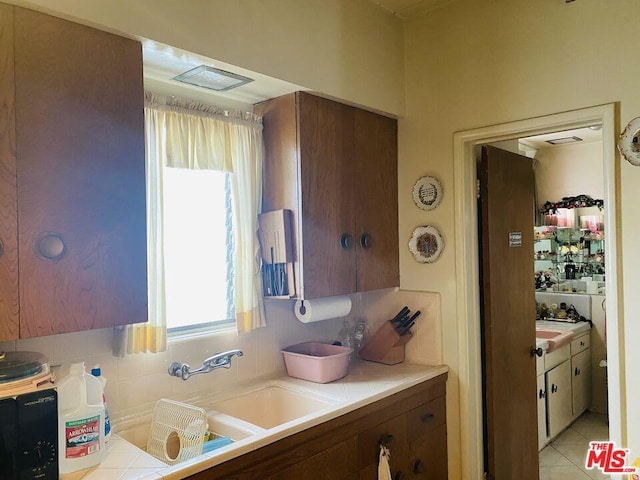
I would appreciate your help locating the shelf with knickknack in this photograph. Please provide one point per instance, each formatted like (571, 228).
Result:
(564, 256)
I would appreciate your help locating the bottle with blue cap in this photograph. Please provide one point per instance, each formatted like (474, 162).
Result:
(96, 371)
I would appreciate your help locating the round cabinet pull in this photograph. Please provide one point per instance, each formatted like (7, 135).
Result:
(554, 388)
(399, 476)
(582, 343)
(346, 241)
(418, 466)
(50, 246)
(536, 351)
(542, 394)
(386, 440)
(365, 241)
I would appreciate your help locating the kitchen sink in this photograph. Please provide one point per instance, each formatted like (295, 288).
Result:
(555, 338)
(270, 406)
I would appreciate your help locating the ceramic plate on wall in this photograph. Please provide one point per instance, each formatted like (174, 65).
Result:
(426, 244)
(629, 143)
(427, 193)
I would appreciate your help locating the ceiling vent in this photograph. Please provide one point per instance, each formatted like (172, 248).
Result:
(212, 78)
(563, 140)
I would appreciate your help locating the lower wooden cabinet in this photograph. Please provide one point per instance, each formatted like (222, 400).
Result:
(412, 424)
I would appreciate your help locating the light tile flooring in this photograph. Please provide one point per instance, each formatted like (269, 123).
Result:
(564, 457)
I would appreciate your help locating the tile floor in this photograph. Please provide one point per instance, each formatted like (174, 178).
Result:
(564, 457)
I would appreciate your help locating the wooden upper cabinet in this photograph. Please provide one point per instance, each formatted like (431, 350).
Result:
(335, 167)
(376, 147)
(9, 319)
(79, 174)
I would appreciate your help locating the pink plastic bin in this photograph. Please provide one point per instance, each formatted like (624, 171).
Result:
(316, 362)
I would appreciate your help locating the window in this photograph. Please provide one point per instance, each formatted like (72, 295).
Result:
(198, 246)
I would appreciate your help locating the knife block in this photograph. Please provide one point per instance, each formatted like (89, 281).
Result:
(385, 346)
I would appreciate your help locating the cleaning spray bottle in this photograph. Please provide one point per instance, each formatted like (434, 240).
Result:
(96, 371)
(80, 421)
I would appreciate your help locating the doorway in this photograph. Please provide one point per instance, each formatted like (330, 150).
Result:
(468, 299)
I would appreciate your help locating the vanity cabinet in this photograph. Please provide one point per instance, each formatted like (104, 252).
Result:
(564, 387)
(72, 177)
(335, 167)
(411, 422)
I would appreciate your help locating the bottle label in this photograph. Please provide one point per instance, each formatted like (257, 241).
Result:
(82, 437)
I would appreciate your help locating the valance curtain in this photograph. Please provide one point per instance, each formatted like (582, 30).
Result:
(186, 134)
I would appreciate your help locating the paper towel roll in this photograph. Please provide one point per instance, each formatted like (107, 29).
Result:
(318, 309)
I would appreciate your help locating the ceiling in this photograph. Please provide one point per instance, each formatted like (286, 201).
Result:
(586, 135)
(162, 63)
(407, 9)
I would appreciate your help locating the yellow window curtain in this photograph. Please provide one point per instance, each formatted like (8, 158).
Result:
(186, 134)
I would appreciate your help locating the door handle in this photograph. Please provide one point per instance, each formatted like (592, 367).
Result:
(536, 351)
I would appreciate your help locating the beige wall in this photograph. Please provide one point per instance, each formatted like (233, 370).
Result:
(351, 50)
(569, 170)
(477, 63)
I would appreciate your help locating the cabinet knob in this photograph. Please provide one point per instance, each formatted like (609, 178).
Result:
(50, 246)
(428, 418)
(365, 241)
(576, 372)
(536, 351)
(418, 466)
(582, 343)
(386, 440)
(554, 388)
(399, 476)
(346, 241)
(542, 393)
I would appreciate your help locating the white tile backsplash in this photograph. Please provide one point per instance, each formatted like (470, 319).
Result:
(136, 382)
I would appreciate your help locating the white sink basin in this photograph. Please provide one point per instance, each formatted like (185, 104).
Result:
(271, 406)
(234, 428)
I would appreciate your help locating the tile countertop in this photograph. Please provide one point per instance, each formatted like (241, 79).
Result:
(366, 383)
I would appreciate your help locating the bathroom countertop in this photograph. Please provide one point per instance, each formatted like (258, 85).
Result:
(578, 327)
(366, 383)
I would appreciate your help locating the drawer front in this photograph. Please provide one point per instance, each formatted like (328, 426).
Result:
(394, 434)
(425, 418)
(580, 343)
(428, 459)
(540, 365)
(556, 357)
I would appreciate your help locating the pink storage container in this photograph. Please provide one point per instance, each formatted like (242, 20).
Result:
(316, 362)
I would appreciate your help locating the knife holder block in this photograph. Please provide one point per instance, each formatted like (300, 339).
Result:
(385, 346)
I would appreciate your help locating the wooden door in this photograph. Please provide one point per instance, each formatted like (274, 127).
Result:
(9, 319)
(327, 169)
(541, 396)
(507, 218)
(80, 177)
(376, 201)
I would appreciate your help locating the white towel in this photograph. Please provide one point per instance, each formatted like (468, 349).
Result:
(384, 472)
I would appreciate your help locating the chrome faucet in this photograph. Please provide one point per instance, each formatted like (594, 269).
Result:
(182, 370)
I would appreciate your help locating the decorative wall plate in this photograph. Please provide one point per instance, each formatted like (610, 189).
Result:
(426, 244)
(427, 193)
(629, 142)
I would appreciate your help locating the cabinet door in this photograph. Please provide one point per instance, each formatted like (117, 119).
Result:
(80, 177)
(376, 187)
(327, 173)
(541, 395)
(559, 411)
(394, 433)
(8, 197)
(581, 381)
(429, 456)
